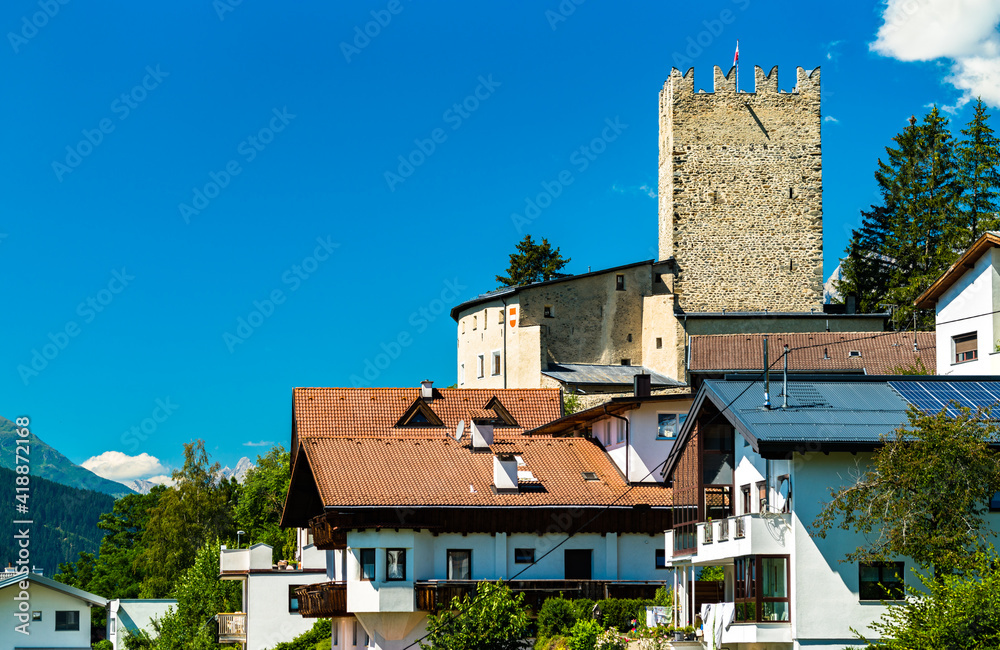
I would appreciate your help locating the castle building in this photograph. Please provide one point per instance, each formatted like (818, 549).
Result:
(740, 245)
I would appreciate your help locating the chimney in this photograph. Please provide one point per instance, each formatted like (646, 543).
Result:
(482, 435)
(641, 385)
(505, 472)
(427, 390)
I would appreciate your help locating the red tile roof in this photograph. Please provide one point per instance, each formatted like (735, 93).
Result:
(442, 472)
(374, 412)
(881, 353)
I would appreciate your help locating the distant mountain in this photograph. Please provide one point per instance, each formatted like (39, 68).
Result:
(139, 485)
(48, 463)
(239, 472)
(65, 521)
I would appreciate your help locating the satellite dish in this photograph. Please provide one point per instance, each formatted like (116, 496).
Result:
(460, 429)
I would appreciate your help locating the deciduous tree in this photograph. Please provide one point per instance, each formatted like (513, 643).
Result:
(493, 619)
(261, 500)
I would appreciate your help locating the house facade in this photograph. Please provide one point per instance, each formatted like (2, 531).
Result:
(750, 478)
(416, 503)
(129, 616)
(966, 304)
(269, 612)
(42, 613)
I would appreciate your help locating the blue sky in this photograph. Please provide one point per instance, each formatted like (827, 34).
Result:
(172, 168)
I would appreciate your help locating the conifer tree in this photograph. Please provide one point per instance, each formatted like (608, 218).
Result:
(532, 263)
(979, 158)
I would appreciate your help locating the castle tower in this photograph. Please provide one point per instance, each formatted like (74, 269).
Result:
(740, 193)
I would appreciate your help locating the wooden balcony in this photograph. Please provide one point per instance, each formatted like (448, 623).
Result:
(435, 595)
(232, 627)
(323, 600)
(327, 536)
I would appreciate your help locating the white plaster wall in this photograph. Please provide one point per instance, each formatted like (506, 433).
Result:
(489, 336)
(268, 620)
(637, 558)
(380, 595)
(974, 294)
(648, 452)
(42, 634)
(134, 614)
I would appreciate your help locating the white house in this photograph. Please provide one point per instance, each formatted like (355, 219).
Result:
(415, 510)
(966, 304)
(126, 616)
(749, 480)
(42, 613)
(270, 608)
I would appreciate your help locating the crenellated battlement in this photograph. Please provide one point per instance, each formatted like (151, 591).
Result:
(806, 82)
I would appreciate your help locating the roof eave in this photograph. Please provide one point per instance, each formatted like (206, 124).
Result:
(928, 299)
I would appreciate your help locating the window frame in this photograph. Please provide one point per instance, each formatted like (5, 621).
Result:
(660, 558)
(548, 312)
(620, 282)
(480, 366)
(679, 419)
(748, 588)
(619, 431)
(898, 567)
(495, 363)
(293, 597)
(401, 562)
(362, 563)
(448, 565)
(962, 339)
(746, 499)
(530, 560)
(68, 626)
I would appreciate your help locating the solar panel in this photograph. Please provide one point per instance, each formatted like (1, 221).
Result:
(932, 396)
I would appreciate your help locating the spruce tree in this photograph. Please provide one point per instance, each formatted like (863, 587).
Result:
(532, 263)
(979, 157)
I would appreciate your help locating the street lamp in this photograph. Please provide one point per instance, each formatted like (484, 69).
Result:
(238, 533)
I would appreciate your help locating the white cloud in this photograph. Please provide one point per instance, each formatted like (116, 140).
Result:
(830, 118)
(262, 443)
(163, 479)
(116, 466)
(635, 189)
(962, 32)
(831, 50)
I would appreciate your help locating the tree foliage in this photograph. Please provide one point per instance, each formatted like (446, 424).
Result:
(954, 611)
(532, 263)
(924, 494)
(937, 197)
(493, 619)
(200, 596)
(198, 508)
(309, 640)
(261, 500)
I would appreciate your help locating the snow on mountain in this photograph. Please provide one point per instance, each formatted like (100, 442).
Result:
(239, 472)
(139, 485)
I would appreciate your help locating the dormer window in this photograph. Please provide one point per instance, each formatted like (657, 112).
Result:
(419, 414)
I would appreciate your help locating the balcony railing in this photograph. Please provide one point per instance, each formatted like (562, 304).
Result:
(435, 595)
(707, 533)
(323, 600)
(741, 531)
(327, 536)
(232, 627)
(723, 530)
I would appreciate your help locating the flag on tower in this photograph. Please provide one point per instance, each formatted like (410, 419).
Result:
(736, 57)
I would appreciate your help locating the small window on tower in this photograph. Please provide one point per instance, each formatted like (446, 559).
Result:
(620, 282)
(626, 362)
(547, 311)
(659, 343)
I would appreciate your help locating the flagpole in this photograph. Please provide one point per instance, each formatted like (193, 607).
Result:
(737, 65)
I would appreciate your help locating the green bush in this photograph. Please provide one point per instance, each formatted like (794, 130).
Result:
(310, 640)
(584, 608)
(325, 644)
(103, 644)
(583, 635)
(664, 597)
(620, 612)
(556, 617)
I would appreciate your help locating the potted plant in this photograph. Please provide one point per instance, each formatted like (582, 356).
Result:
(678, 633)
(689, 633)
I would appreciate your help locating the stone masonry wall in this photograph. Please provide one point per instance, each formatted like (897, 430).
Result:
(740, 193)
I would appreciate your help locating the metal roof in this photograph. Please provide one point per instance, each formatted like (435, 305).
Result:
(582, 373)
(827, 412)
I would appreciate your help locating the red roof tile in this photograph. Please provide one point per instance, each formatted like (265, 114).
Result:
(881, 353)
(374, 412)
(443, 472)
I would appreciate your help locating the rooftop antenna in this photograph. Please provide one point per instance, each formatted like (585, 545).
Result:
(784, 387)
(767, 379)
(460, 429)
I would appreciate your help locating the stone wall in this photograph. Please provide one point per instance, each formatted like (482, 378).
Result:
(740, 193)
